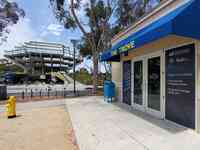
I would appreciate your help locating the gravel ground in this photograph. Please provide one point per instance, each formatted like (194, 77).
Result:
(46, 128)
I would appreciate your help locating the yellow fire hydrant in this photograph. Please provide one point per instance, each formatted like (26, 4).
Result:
(11, 107)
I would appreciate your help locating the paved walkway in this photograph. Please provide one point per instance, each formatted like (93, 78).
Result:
(102, 126)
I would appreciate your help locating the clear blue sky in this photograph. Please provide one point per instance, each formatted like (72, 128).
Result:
(39, 24)
(43, 22)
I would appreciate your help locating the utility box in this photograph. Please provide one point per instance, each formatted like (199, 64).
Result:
(3, 92)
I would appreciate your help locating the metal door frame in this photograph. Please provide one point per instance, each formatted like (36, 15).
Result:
(137, 106)
(144, 107)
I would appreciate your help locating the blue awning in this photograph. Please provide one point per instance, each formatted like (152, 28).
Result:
(184, 21)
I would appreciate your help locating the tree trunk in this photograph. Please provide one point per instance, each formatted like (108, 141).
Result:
(95, 72)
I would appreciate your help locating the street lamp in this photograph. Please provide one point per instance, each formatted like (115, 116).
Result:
(74, 42)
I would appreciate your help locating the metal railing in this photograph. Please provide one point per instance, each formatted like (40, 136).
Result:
(40, 94)
(26, 50)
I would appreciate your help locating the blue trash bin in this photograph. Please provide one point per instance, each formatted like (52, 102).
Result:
(109, 91)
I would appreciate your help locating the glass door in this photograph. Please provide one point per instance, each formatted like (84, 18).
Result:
(147, 84)
(138, 84)
(153, 86)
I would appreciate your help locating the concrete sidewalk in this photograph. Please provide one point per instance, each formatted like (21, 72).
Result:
(102, 126)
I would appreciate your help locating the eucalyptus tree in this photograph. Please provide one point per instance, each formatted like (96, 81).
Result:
(92, 18)
(10, 14)
(128, 11)
(124, 13)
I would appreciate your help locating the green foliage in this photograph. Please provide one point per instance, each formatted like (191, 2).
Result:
(96, 16)
(96, 13)
(69, 22)
(16, 69)
(96, 25)
(63, 14)
(124, 13)
(2, 68)
(83, 77)
(10, 14)
(128, 11)
(115, 30)
(85, 48)
(12, 68)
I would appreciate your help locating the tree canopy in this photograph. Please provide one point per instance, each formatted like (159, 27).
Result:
(98, 15)
(96, 21)
(125, 13)
(10, 14)
(94, 24)
(128, 11)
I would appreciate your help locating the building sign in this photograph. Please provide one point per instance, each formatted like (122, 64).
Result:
(127, 47)
(123, 48)
(180, 85)
(127, 82)
(114, 53)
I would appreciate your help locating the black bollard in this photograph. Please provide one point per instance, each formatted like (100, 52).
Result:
(48, 92)
(22, 94)
(64, 94)
(31, 93)
(40, 93)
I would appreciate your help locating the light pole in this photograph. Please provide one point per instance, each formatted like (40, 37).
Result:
(74, 42)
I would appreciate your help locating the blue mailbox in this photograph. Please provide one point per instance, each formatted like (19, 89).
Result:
(109, 91)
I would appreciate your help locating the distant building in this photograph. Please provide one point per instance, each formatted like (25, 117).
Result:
(41, 57)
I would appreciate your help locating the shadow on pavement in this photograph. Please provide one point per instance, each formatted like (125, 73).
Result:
(161, 123)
